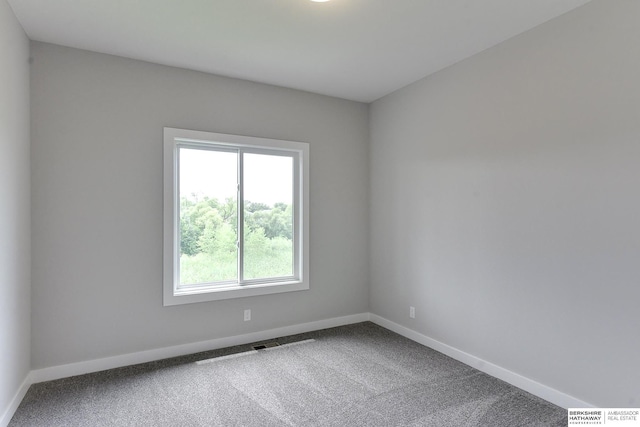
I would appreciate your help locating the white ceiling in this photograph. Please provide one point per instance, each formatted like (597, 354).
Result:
(353, 49)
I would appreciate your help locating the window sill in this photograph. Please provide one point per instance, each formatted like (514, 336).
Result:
(216, 293)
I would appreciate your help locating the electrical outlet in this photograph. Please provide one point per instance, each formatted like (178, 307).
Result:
(412, 312)
(247, 315)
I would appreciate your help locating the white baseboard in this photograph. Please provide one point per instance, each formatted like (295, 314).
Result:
(79, 368)
(15, 402)
(540, 390)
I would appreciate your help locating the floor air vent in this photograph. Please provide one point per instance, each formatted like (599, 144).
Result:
(265, 346)
(256, 348)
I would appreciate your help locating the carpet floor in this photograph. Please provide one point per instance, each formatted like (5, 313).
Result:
(355, 375)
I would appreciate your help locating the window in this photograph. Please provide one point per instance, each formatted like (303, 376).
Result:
(235, 216)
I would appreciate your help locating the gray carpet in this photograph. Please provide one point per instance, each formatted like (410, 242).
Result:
(356, 375)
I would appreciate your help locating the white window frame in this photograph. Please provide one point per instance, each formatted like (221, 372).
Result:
(173, 292)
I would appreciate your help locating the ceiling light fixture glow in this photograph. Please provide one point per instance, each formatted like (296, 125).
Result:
(319, 1)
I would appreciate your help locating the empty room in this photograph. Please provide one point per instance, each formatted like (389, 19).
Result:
(319, 213)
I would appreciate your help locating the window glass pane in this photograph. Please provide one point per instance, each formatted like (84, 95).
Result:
(208, 215)
(268, 216)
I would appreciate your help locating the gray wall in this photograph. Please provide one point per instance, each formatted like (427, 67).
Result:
(15, 228)
(505, 208)
(97, 123)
